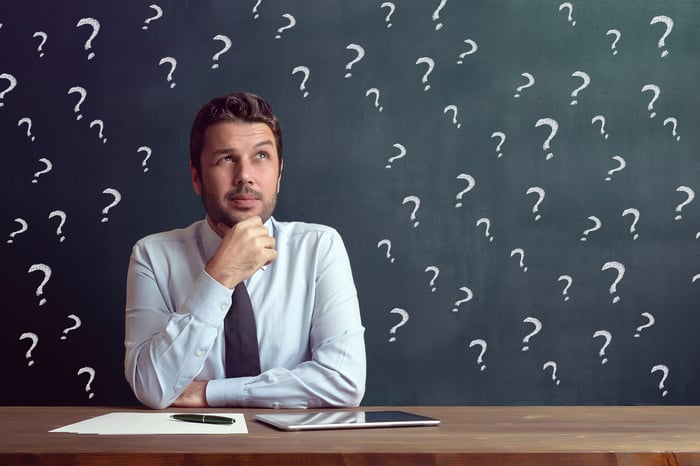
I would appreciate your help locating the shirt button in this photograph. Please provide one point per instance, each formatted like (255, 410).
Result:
(199, 353)
(223, 308)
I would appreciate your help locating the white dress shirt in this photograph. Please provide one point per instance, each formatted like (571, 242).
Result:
(310, 334)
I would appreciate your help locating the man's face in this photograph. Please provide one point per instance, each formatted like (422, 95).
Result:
(240, 172)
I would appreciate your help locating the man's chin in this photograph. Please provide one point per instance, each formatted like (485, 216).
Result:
(232, 219)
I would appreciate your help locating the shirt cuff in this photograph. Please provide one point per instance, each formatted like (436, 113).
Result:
(223, 393)
(209, 300)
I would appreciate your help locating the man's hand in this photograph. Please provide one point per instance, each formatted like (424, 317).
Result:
(243, 250)
(194, 396)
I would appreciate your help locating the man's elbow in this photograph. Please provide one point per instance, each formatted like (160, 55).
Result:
(150, 397)
(153, 402)
(351, 395)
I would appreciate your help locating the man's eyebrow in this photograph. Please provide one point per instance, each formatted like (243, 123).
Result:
(231, 150)
(225, 150)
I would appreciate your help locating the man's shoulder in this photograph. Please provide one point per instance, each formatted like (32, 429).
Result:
(178, 235)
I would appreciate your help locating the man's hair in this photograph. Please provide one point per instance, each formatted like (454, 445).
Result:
(241, 106)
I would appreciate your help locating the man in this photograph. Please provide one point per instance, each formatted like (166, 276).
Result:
(181, 283)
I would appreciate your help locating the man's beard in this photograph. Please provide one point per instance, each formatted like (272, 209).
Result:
(217, 213)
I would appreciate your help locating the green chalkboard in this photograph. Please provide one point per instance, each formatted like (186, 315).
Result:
(514, 181)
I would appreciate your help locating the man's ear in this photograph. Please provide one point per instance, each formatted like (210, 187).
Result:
(279, 177)
(196, 180)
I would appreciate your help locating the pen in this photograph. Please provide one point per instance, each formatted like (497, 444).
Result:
(203, 418)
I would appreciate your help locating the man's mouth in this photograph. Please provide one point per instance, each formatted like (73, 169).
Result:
(245, 198)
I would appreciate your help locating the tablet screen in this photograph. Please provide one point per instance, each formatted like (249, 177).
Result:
(345, 420)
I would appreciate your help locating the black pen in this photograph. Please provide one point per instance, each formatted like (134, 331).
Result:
(203, 418)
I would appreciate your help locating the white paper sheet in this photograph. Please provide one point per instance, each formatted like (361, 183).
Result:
(151, 424)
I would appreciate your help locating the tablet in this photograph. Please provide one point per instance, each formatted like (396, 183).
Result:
(345, 420)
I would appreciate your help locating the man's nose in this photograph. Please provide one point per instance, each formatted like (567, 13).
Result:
(243, 175)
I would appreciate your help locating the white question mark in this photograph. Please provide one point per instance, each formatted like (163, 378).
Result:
(530, 82)
(586, 81)
(101, 125)
(117, 199)
(469, 297)
(635, 214)
(487, 222)
(540, 193)
(691, 196)
(23, 227)
(62, 215)
(470, 185)
(621, 165)
(83, 95)
(482, 343)
(13, 84)
(473, 48)
(554, 125)
(95, 25)
(391, 7)
(674, 122)
(657, 91)
(569, 281)
(538, 327)
(436, 272)
(436, 14)
(502, 136)
(35, 340)
(227, 46)
(608, 338)
(521, 252)
(402, 153)
(305, 70)
(600, 118)
(404, 319)
(148, 152)
(387, 243)
(570, 7)
(173, 64)
(617, 35)
(49, 167)
(452, 108)
(596, 227)
(620, 273)
(669, 27)
(255, 9)
(553, 365)
(374, 91)
(46, 270)
(77, 324)
(664, 370)
(416, 201)
(431, 64)
(650, 322)
(292, 23)
(91, 372)
(158, 15)
(43, 41)
(360, 54)
(28, 121)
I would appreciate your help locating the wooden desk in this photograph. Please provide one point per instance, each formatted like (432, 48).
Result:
(631, 435)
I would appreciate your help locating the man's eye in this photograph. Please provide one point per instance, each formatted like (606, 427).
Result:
(262, 155)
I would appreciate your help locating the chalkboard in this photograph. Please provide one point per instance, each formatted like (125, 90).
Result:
(514, 181)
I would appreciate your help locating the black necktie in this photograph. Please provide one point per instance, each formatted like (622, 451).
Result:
(242, 358)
